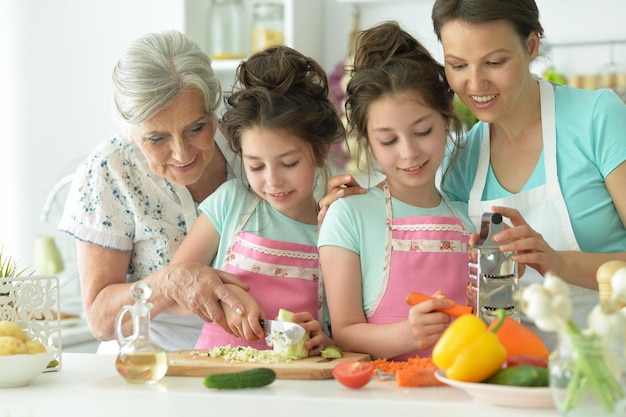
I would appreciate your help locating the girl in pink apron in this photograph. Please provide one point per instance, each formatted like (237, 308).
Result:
(281, 123)
(399, 105)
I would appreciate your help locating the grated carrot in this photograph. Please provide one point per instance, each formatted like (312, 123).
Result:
(414, 372)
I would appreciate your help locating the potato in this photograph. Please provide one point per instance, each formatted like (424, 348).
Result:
(8, 328)
(9, 345)
(35, 346)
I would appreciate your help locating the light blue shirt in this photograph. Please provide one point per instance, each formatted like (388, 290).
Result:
(358, 223)
(228, 205)
(591, 143)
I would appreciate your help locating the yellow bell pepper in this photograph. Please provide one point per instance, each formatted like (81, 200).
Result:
(468, 351)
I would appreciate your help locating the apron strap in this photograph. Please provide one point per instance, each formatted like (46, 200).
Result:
(239, 228)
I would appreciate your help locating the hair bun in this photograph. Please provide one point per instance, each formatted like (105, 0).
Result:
(281, 69)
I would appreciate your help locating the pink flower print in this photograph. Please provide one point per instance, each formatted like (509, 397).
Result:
(256, 269)
(446, 245)
(316, 278)
(415, 246)
(278, 271)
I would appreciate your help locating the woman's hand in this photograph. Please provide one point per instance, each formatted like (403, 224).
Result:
(531, 247)
(199, 289)
(426, 323)
(319, 340)
(338, 186)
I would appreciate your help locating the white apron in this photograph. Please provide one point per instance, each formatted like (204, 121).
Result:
(542, 207)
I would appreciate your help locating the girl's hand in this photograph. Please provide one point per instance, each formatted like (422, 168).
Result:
(338, 186)
(319, 340)
(426, 324)
(248, 326)
(531, 247)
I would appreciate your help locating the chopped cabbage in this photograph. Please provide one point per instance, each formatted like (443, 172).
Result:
(284, 348)
(246, 354)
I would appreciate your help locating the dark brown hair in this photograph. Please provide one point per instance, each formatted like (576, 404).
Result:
(522, 14)
(280, 88)
(390, 61)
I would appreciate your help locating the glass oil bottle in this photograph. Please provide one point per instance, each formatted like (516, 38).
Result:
(140, 360)
(493, 274)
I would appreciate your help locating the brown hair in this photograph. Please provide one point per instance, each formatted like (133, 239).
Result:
(390, 61)
(522, 14)
(280, 88)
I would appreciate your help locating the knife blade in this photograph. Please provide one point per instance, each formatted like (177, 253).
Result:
(284, 332)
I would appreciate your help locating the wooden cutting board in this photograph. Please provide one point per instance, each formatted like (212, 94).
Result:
(197, 363)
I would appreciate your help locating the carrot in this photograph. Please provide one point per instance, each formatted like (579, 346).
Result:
(520, 340)
(414, 372)
(417, 378)
(456, 310)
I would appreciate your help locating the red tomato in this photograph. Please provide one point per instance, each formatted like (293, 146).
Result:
(515, 360)
(354, 374)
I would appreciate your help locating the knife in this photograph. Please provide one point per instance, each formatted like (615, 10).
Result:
(284, 332)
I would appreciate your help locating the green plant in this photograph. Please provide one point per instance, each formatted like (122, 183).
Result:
(9, 267)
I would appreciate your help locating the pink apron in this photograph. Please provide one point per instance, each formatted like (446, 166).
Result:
(425, 254)
(543, 209)
(280, 275)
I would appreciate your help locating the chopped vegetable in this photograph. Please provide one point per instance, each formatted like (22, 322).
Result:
(467, 351)
(354, 374)
(456, 310)
(246, 354)
(417, 378)
(519, 340)
(331, 352)
(288, 350)
(414, 372)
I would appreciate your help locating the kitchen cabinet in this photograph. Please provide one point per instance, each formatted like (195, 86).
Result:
(302, 28)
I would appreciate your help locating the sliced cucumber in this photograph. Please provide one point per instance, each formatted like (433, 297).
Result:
(331, 352)
(251, 378)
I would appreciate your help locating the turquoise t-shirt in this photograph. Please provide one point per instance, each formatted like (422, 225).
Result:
(228, 205)
(591, 142)
(357, 223)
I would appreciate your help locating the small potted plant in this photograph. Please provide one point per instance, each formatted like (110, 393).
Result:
(8, 266)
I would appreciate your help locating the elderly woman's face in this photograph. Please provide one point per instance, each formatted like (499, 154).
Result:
(178, 142)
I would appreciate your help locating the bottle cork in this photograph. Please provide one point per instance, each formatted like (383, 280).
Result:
(603, 276)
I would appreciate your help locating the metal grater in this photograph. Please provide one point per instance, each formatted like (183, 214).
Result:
(493, 274)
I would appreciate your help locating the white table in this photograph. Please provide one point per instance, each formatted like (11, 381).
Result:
(89, 386)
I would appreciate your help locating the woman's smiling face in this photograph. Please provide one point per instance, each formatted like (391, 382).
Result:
(487, 65)
(178, 142)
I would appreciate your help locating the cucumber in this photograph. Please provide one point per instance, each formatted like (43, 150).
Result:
(521, 376)
(251, 378)
(331, 352)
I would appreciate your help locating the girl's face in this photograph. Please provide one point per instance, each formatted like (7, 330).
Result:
(408, 140)
(178, 141)
(487, 66)
(281, 170)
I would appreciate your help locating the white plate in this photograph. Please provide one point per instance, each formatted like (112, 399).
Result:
(524, 397)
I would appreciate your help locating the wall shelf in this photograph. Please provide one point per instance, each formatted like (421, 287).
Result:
(609, 42)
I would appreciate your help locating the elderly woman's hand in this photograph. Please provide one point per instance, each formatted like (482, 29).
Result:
(338, 186)
(200, 289)
(531, 247)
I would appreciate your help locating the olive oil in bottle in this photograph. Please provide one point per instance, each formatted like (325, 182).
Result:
(140, 359)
